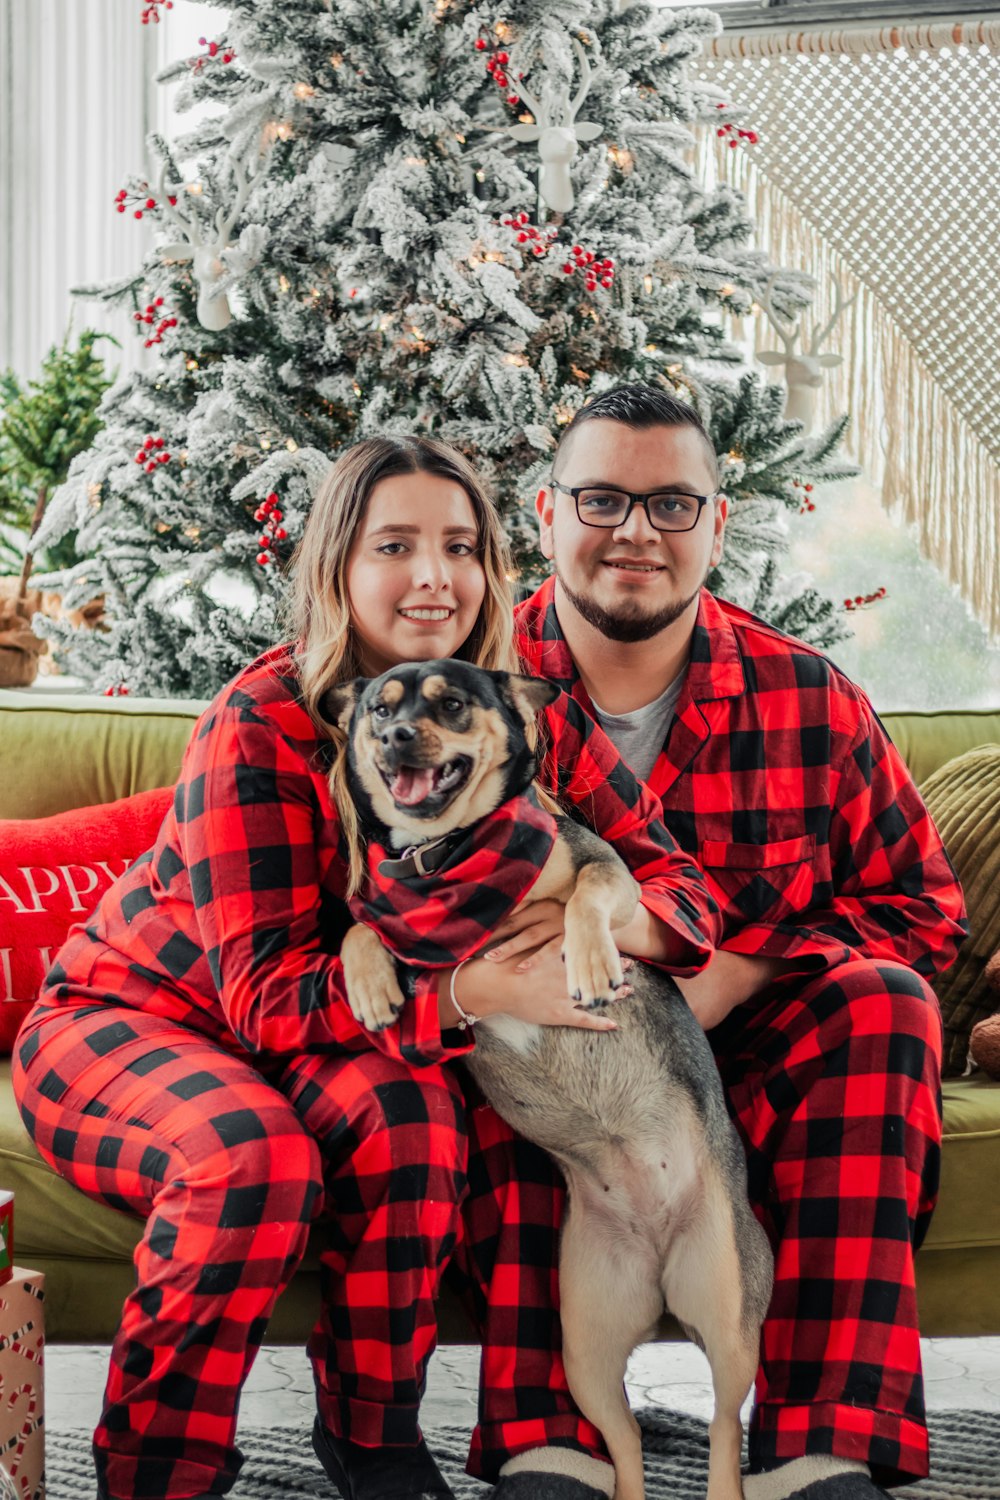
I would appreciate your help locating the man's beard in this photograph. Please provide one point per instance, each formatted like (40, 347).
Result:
(626, 628)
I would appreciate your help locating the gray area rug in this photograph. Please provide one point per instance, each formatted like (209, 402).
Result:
(965, 1461)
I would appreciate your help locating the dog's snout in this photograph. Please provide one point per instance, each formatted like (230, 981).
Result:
(398, 735)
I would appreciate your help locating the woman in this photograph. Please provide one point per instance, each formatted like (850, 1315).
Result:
(192, 1057)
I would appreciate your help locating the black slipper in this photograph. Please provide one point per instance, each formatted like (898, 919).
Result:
(379, 1473)
(841, 1487)
(531, 1485)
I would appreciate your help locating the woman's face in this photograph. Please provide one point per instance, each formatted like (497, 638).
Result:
(415, 581)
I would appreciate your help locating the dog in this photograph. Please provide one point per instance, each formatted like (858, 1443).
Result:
(657, 1212)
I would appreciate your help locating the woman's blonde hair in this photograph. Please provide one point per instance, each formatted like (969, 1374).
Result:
(319, 608)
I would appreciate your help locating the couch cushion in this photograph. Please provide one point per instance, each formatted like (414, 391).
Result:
(60, 751)
(968, 1211)
(927, 740)
(963, 797)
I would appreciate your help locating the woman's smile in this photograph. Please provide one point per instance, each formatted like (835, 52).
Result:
(419, 538)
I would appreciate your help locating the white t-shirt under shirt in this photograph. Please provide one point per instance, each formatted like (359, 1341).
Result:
(640, 735)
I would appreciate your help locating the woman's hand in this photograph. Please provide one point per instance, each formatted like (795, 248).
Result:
(486, 987)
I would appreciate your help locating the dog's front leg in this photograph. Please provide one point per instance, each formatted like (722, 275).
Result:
(604, 896)
(372, 988)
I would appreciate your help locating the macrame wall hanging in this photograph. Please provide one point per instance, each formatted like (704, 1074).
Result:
(878, 170)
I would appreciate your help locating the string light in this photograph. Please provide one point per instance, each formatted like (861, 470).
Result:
(647, 282)
(303, 91)
(265, 443)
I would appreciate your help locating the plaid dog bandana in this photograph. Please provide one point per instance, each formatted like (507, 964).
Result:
(436, 905)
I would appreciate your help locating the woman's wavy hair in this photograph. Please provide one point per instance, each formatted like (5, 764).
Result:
(319, 613)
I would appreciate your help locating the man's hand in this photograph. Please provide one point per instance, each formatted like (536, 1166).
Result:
(528, 930)
(729, 979)
(538, 929)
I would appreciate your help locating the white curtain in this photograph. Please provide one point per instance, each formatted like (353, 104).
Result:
(77, 100)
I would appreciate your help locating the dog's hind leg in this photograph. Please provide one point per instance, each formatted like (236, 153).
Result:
(610, 1298)
(705, 1288)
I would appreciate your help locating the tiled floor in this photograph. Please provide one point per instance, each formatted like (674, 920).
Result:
(957, 1372)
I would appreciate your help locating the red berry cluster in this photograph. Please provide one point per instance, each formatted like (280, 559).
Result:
(807, 502)
(214, 48)
(595, 272)
(118, 691)
(860, 600)
(143, 201)
(735, 136)
(273, 531)
(527, 233)
(151, 316)
(152, 453)
(152, 11)
(496, 63)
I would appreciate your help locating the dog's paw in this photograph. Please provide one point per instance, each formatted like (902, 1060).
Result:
(593, 968)
(376, 1005)
(373, 991)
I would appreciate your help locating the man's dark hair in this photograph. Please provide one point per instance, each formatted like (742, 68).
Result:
(640, 405)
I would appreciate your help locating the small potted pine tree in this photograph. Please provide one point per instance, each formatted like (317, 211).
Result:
(44, 425)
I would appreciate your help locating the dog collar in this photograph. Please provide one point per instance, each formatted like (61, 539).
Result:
(422, 859)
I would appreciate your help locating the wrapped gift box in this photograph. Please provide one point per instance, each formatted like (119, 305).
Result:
(22, 1386)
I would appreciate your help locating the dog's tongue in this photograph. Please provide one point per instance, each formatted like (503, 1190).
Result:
(411, 786)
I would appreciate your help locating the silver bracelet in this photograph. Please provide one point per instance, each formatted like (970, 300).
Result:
(466, 1019)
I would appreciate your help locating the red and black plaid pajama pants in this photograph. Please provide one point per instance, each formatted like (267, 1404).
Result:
(834, 1085)
(230, 1168)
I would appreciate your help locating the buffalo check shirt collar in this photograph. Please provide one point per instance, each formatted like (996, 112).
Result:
(715, 668)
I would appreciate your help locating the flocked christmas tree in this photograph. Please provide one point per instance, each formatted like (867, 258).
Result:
(451, 216)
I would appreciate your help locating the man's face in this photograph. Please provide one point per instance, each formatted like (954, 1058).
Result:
(631, 581)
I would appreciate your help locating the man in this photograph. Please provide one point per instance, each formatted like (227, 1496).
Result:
(839, 904)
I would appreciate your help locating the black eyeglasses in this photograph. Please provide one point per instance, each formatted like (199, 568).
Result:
(666, 510)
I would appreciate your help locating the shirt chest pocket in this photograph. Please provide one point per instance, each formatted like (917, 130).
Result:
(761, 882)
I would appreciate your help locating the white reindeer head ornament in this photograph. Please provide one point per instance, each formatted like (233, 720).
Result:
(558, 134)
(205, 254)
(803, 375)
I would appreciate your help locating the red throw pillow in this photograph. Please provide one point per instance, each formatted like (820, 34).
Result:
(53, 872)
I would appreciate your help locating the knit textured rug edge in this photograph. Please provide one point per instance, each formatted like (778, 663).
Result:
(279, 1461)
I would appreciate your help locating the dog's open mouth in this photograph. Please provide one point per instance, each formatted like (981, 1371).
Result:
(412, 786)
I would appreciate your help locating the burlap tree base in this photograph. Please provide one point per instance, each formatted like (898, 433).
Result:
(20, 649)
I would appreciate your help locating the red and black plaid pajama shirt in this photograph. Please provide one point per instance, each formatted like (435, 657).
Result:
(778, 777)
(192, 1059)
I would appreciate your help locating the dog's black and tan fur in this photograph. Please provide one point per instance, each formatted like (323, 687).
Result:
(657, 1212)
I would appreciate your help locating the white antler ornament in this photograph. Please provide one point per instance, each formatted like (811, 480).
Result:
(558, 134)
(802, 370)
(205, 255)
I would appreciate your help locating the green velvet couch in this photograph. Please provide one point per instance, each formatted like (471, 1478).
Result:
(59, 752)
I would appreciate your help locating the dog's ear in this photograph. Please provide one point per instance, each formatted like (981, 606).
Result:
(526, 694)
(338, 702)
